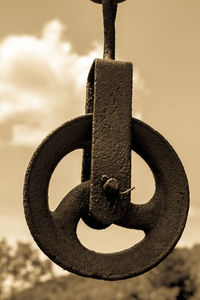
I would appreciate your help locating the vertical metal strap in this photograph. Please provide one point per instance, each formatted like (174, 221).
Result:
(111, 138)
(86, 164)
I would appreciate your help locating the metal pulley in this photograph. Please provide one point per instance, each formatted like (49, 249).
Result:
(107, 134)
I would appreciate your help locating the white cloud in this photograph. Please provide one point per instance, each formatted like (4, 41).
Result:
(42, 83)
(53, 31)
(24, 134)
(138, 115)
(139, 83)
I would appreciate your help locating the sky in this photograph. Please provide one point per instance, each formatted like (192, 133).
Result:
(46, 50)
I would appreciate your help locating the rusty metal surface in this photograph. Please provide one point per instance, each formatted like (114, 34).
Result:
(86, 162)
(111, 138)
(162, 219)
(109, 15)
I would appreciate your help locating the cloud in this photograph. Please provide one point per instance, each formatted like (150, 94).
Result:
(42, 84)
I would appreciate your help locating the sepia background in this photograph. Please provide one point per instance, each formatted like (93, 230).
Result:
(46, 49)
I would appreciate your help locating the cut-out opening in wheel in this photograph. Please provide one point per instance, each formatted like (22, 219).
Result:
(142, 180)
(110, 240)
(65, 177)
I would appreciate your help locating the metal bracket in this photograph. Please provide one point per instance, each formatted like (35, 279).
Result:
(111, 139)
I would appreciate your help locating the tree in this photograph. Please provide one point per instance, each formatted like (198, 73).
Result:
(21, 267)
(175, 272)
(5, 255)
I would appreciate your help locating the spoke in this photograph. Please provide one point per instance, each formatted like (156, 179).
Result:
(142, 216)
(79, 197)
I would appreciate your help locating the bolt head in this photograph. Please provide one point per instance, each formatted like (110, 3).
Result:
(111, 186)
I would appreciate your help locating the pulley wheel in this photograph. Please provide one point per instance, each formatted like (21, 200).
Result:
(162, 218)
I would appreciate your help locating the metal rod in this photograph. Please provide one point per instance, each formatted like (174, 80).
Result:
(109, 15)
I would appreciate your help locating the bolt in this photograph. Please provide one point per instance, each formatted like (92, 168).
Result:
(110, 185)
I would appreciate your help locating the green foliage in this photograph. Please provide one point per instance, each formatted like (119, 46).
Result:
(176, 278)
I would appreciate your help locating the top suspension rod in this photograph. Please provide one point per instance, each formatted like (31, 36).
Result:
(109, 16)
